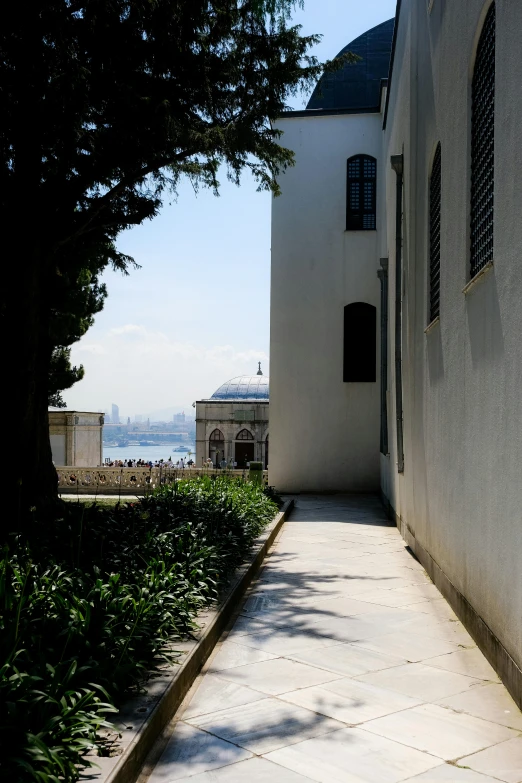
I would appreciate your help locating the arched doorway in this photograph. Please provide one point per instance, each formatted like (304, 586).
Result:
(216, 447)
(244, 448)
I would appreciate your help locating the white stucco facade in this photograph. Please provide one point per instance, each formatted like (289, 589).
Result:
(460, 495)
(325, 432)
(76, 438)
(455, 489)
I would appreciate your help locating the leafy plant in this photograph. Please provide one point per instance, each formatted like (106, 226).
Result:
(95, 600)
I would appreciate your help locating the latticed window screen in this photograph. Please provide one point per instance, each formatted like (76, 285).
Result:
(244, 435)
(244, 415)
(435, 183)
(361, 193)
(482, 147)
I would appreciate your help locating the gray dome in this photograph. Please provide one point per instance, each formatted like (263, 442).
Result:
(358, 86)
(244, 387)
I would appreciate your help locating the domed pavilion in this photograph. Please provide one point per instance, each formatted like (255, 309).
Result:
(232, 424)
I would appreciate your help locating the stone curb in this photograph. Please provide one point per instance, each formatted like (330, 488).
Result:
(131, 761)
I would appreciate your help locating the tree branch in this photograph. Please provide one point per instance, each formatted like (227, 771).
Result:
(104, 201)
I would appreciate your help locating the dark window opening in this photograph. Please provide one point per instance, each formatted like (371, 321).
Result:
(383, 276)
(482, 147)
(361, 186)
(216, 435)
(435, 197)
(360, 338)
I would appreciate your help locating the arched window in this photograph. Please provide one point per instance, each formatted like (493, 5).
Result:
(216, 435)
(360, 338)
(361, 179)
(244, 435)
(435, 190)
(482, 147)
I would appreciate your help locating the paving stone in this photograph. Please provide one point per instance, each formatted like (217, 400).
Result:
(490, 702)
(440, 731)
(503, 761)
(232, 654)
(350, 701)
(215, 693)
(449, 773)
(255, 770)
(390, 597)
(283, 641)
(353, 756)
(344, 627)
(347, 659)
(265, 725)
(469, 662)
(438, 607)
(422, 682)
(408, 645)
(278, 676)
(190, 751)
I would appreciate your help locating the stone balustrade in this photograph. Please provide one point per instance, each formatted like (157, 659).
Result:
(129, 481)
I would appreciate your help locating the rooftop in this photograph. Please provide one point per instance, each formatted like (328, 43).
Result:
(244, 387)
(357, 85)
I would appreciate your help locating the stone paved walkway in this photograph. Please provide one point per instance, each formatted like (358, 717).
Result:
(345, 666)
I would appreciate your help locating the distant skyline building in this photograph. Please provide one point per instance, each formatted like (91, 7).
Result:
(115, 418)
(179, 418)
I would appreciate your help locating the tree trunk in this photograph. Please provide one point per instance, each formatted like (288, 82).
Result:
(28, 472)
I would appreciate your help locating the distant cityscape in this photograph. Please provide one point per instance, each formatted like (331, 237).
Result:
(142, 430)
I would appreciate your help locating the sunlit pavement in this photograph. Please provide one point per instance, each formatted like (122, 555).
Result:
(346, 665)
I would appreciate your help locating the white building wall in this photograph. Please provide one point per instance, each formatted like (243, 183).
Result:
(58, 447)
(324, 433)
(76, 438)
(460, 496)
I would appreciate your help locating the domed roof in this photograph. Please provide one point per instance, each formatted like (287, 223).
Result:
(244, 387)
(358, 85)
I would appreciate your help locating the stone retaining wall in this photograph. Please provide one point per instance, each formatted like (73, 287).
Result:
(129, 481)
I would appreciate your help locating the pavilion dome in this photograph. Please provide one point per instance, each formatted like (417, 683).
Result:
(357, 85)
(244, 387)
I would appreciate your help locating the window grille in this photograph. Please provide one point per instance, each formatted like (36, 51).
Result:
(435, 193)
(361, 193)
(244, 415)
(482, 147)
(244, 435)
(216, 435)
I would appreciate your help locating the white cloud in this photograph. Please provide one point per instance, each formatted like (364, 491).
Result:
(141, 369)
(94, 348)
(128, 329)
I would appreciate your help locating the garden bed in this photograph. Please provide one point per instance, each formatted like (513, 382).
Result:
(99, 599)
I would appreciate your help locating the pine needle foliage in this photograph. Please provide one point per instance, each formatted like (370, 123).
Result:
(105, 105)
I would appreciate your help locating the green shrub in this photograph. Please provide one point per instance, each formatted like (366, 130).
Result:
(91, 601)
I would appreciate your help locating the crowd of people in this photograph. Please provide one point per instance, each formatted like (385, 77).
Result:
(169, 463)
(143, 463)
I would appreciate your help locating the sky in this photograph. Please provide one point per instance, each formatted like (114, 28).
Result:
(196, 313)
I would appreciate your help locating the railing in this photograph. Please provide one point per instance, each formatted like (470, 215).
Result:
(130, 481)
